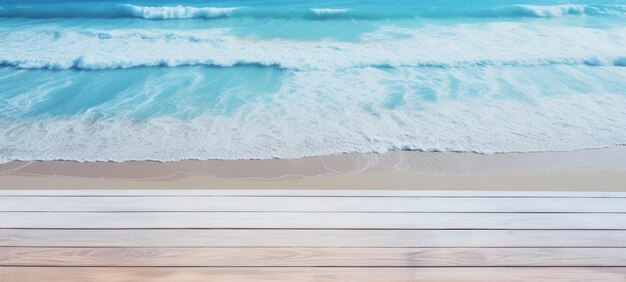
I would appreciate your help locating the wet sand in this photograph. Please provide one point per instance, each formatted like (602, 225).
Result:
(584, 170)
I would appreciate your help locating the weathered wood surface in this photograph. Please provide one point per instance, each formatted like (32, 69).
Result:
(306, 193)
(290, 274)
(318, 235)
(311, 238)
(312, 220)
(326, 257)
(315, 204)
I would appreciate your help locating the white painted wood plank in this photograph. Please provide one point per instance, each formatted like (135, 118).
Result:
(311, 220)
(324, 274)
(300, 192)
(319, 257)
(310, 238)
(313, 204)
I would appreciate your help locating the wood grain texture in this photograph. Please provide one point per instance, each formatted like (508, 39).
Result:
(278, 235)
(311, 238)
(314, 204)
(291, 220)
(290, 274)
(326, 257)
(307, 193)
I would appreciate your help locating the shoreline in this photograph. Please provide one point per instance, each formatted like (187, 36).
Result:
(571, 170)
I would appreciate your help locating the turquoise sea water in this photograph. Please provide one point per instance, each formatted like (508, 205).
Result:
(171, 80)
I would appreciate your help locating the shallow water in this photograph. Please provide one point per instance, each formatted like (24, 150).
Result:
(138, 80)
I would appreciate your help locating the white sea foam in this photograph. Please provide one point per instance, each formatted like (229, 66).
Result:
(327, 11)
(447, 46)
(482, 109)
(177, 12)
(554, 11)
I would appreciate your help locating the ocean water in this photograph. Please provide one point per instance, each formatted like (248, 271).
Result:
(248, 79)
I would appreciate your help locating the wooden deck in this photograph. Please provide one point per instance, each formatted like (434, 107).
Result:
(299, 235)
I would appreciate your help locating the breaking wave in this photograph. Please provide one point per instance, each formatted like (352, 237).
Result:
(498, 44)
(321, 11)
(191, 12)
(177, 12)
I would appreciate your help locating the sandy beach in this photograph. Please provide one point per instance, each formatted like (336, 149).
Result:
(584, 170)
